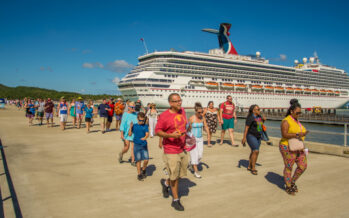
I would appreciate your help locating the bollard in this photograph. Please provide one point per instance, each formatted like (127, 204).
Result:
(345, 134)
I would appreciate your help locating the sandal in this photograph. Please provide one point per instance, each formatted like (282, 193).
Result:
(294, 187)
(254, 172)
(289, 190)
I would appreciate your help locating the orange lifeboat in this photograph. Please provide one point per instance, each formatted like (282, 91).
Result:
(337, 92)
(240, 86)
(307, 90)
(256, 87)
(228, 85)
(269, 87)
(211, 84)
(315, 90)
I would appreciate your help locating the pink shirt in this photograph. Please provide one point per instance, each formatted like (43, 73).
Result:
(228, 110)
(171, 122)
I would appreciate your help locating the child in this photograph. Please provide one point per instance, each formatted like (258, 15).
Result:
(140, 148)
(88, 117)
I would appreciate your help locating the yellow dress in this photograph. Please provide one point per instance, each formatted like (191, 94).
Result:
(293, 127)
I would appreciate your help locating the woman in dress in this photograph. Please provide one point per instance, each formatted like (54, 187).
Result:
(196, 123)
(72, 111)
(211, 117)
(153, 116)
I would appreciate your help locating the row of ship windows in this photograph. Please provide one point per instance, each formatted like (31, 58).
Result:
(221, 61)
(308, 74)
(304, 82)
(259, 66)
(180, 65)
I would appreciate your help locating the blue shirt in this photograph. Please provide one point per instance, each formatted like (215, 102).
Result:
(102, 111)
(139, 132)
(126, 120)
(79, 107)
(89, 112)
(31, 108)
(63, 108)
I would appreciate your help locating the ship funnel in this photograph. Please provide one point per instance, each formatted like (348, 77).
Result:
(296, 62)
(223, 38)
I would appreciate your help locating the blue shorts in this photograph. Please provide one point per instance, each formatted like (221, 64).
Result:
(140, 152)
(118, 117)
(253, 142)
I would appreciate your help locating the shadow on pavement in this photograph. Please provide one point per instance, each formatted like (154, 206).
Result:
(244, 163)
(275, 179)
(184, 185)
(151, 169)
(200, 168)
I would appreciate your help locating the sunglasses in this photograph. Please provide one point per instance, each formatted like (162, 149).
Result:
(133, 107)
(141, 121)
(298, 113)
(200, 112)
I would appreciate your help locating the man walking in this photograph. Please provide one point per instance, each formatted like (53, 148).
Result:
(79, 108)
(103, 114)
(49, 111)
(228, 119)
(119, 110)
(110, 113)
(171, 127)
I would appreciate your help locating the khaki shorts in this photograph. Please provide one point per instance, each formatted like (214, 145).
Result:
(103, 120)
(176, 165)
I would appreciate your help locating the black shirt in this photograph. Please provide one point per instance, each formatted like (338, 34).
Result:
(138, 106)
(255, 124)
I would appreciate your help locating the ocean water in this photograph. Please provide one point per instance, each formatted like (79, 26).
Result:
(323, 133)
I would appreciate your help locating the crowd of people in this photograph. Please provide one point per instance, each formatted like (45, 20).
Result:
(180, 137)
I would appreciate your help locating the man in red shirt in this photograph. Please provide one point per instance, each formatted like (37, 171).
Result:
(228, 119)
(110, 114)
(171, 127)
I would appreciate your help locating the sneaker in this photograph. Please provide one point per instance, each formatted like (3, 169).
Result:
(165, 189)
(197, 175)
(144, 173)
(190, 168)
(140, 177)
(120, 157)
(177, 205)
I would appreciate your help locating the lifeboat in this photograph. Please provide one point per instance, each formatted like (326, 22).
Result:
(269, 88)
(307, 90)
(315, 91)
(298, 90)
(227, 85)
(240, 86)
(196, 82)
(211, 84)
(256, 87)
(323, 92)
(279, 89)
(337, 92)
(289, 89)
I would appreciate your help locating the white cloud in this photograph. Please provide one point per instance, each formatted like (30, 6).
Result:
(118, 66)
(283, 57)
(116, 80)
(87, 65)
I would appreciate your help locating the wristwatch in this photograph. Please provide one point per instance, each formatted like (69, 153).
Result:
(297, 135)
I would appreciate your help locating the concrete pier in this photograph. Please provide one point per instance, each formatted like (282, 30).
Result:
(73, 174)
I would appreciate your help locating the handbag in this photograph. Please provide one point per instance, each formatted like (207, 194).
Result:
(190, 142)
(295, 144)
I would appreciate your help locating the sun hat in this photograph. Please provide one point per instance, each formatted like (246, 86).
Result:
(79, 98)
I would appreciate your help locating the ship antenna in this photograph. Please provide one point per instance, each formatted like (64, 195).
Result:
(145, 45)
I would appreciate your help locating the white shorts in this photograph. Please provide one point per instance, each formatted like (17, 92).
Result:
(64, 117)
(196, 153)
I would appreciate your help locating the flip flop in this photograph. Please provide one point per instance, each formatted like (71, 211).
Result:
(254, 172)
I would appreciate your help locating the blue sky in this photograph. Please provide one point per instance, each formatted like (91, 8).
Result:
(84, 46)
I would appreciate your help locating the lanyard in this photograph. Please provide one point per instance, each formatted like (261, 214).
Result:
(297, 121)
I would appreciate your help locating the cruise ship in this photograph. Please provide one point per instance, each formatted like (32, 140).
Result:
(203, 77)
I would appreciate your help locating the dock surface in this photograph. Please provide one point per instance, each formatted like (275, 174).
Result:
(73, 174)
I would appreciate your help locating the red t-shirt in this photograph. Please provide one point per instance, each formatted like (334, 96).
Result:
(171, 122)
(111, 112)
(228, 110)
